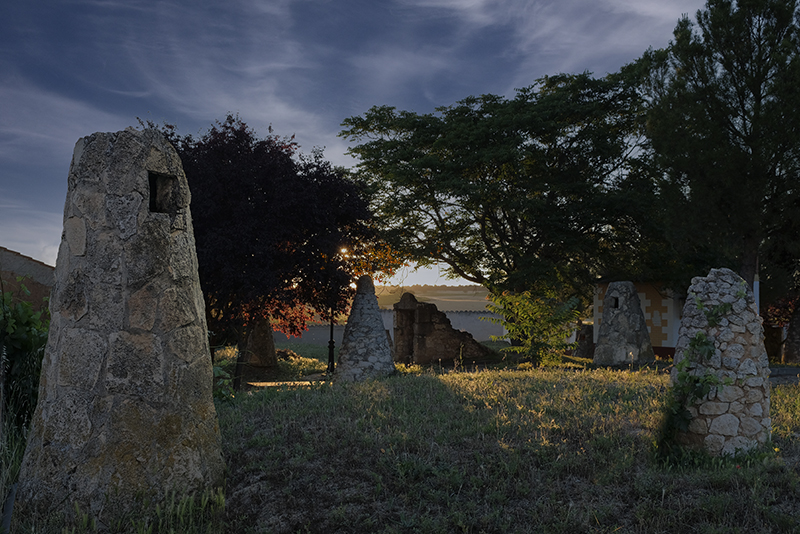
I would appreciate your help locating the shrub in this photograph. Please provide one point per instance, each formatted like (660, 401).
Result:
(537, 324)
(23, 335)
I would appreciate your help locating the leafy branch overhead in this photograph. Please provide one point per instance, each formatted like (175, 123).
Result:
(684, 160)
(279, 235)
(508, 191)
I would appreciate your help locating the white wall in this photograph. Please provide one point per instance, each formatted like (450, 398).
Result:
(469, 321)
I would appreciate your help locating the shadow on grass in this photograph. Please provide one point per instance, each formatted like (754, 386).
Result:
(544, 450)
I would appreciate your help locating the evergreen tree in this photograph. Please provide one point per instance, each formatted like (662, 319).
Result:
(725, 128)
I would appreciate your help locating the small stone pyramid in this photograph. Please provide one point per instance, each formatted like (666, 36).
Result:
(366, 352)
(734, 416)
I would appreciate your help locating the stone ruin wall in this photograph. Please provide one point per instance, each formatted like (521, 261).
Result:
(423, 334)
(731, 417)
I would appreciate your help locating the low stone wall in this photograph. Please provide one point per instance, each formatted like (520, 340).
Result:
(469, 321)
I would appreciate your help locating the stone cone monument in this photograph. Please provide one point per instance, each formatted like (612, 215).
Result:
(623, 338)
(721, 311)
(365, 352)
(125, 405)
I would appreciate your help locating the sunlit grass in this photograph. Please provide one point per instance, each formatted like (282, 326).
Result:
(435, 450)
(303, 361)
(542, 450)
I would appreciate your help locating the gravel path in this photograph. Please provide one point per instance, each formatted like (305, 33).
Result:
(784, 375)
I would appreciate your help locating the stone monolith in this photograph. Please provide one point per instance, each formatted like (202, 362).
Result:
(365, 351)
(623, 338)
(721, 338)
(125, 408)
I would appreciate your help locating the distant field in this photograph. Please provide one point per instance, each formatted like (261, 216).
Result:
(446, 298)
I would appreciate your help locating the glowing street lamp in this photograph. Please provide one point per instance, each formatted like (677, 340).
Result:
(331, 342)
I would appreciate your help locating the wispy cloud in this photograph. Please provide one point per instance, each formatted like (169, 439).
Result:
(29, 231)
(301, 66)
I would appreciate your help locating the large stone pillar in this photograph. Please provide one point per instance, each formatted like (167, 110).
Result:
(721, 338)
(125, 406)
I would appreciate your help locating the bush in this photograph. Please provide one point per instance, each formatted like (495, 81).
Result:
(23, 336)
(537, 324)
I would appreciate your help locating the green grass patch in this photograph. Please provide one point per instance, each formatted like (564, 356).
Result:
(492, 450)
(302, 361)
(542, 450)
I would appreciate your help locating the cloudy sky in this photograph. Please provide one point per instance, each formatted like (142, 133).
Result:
(69, 68)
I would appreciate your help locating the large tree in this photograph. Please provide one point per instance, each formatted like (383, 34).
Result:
(279, 236)
(725, 127)
(509, 193)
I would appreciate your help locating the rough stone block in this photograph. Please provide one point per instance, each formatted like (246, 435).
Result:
(735, 351)
(754, 395)
(713, 408)
(714, 443)
(698, 426)
(729, 393)
(75, 234)
(81, 355)
(725, 425)
(750, 426)
(737, 445)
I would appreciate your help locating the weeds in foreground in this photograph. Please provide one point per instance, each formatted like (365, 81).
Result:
(544, 450)
(539, 450)
(190, 514)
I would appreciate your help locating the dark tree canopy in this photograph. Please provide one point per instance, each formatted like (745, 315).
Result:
(509, 192)
(725, 127)
(278, 236)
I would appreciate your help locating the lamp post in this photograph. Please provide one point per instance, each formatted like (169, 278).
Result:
(332, 296)
(331, 345)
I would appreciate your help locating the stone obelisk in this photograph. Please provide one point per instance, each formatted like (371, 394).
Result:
(125, 408)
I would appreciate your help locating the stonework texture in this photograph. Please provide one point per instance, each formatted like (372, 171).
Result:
(125, 406)
(423, 334)
(365, 352)
(733, 417)
(623, 338)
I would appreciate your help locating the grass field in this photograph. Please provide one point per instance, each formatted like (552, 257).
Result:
(541, 450)
(498, 450)
(446, 298)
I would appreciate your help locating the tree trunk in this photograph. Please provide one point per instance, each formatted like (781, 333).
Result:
(749, 267)
(791, 347)
(773, 343)
(241, 358)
